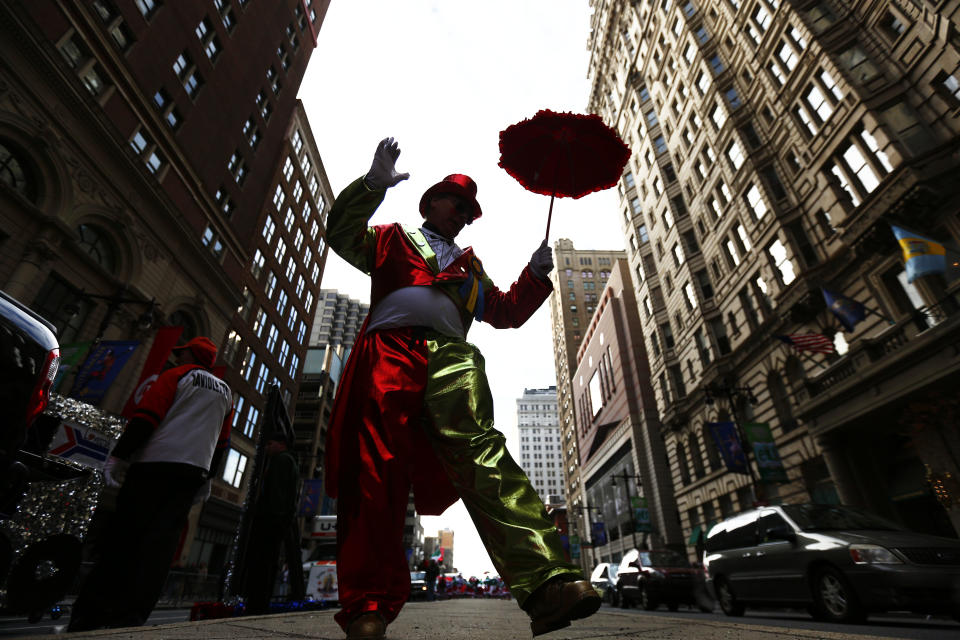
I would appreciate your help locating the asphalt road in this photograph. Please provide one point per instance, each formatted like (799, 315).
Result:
(887, 625)
(904, 626)
(11, 627)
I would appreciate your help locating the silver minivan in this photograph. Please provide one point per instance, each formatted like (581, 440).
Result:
(840, 562)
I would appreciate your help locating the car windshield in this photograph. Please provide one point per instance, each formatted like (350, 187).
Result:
(418, 575)
(825, 517)
(662, 559)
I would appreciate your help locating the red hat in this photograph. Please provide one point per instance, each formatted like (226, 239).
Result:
(202, 349)
(459, 185)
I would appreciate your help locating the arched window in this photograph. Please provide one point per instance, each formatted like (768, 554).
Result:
(696, 456)
(781, 401)
(181, 318)
(682, 463)
(713, 455)
(15, 172)
(98, 245)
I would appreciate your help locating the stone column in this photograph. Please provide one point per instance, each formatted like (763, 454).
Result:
(27, 278)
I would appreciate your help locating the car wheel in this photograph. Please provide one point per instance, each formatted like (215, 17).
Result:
(648, 603)
(834, 598)
(673, 606)
(728, 601)
(624, 603)
(614, 597)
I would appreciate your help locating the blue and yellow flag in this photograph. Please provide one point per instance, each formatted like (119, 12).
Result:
(922, 256)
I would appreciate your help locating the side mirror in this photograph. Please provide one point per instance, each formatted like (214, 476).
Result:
(782, 533)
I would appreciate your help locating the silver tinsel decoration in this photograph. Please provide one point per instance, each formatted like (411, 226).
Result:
(49, 508)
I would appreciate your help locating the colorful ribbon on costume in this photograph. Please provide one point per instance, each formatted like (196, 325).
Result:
(471, 291)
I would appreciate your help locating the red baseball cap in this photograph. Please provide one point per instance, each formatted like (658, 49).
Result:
(202, 349)
(459, 185)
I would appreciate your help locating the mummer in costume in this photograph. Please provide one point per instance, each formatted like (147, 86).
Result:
(414, 409)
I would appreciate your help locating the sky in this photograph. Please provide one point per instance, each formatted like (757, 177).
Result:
(443, 78)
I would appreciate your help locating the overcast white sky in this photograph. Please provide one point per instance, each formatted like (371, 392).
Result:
(444, 77)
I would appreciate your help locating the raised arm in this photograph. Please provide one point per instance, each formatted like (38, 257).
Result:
(347, 231)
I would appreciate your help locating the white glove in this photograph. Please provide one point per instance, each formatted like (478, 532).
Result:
(115, 471)
(541, 262)
(383, 173)
(203, 493)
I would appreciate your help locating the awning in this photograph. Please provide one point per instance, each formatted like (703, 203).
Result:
(694, 535)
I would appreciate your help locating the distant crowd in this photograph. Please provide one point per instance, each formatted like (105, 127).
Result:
(456, 586)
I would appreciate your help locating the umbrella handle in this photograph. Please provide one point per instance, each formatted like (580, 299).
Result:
(549, 217)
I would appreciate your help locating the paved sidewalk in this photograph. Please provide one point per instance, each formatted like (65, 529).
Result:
(464, 620)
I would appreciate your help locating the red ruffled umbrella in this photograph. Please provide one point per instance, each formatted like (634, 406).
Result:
(563, 154)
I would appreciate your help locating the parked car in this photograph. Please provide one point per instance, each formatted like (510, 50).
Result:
(840, 562)
(29, 359)
(654, 577)
(604, 580)
(418, 585)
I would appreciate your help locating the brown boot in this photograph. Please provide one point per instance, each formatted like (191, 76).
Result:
(368, 626)
(558, 601)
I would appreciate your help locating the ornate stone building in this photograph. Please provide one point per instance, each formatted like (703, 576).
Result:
(774, 143)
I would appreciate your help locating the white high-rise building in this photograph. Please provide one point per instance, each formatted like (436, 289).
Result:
(540, 448)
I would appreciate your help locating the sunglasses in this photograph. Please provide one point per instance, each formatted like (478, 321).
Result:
(461, 206)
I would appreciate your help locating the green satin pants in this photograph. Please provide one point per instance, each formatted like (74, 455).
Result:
(522, 541)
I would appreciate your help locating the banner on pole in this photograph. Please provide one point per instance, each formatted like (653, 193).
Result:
(599, 534)
(101, 368)
(311, 497)
(641, 514)
(765, 450)
(725, 436)
(71, 355)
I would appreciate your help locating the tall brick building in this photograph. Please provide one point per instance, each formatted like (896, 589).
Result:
(141, 143)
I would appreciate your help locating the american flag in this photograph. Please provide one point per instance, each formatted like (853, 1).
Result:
(815, 342)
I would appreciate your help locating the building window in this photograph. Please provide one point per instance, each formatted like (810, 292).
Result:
(98, 245)
(860, 166)
(296, 141)
(113, 23)
(144, 147)
(251, 132)
(237, 167)
(14, 172)
(147, 7)
(250, 426)
(257, 265)
(188, 75)
(778, 255)
(211, 240)
(755, 202)
(262, 377)
(718, 115)
(87, 70)
(281, 301)
(294, 365)
(226, 14)
(236, 461)
(208, 39)
(735, 154)
(269, 226)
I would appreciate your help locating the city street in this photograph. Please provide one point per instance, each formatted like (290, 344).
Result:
(496, 619)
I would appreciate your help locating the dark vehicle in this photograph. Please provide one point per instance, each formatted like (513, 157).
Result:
(418, 585)
(651, 578)
(604, 580)
(29, 359)
(840, 562)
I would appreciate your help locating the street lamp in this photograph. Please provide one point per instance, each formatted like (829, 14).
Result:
(626, 486)
(589, 530)
(733, 394)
